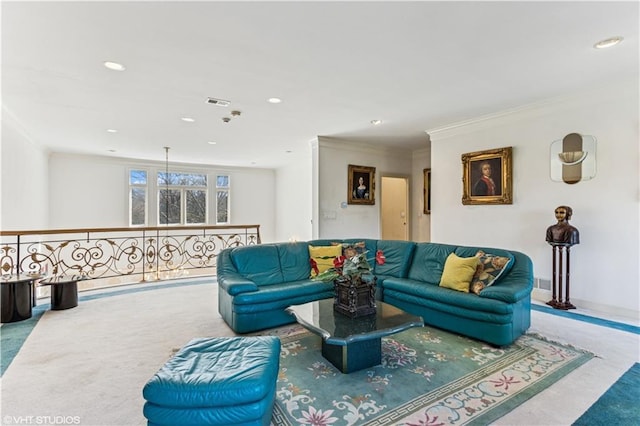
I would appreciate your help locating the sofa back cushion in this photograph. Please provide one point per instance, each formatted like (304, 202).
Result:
(428, 262)
(294, 261)
(397, 255)
(259, 263)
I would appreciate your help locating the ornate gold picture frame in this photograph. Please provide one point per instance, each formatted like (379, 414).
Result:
(362, 185)
(487, 177)
(427, 191)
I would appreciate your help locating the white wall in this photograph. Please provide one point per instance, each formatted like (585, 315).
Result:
(91, 191)
(604, 266)
(87, 192)
(23, 179)
(253, 199)
(421, 222)
(294, 200)
(353, 221)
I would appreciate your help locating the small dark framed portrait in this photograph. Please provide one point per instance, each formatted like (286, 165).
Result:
(426, 191)
(361, 185)
(487, 177)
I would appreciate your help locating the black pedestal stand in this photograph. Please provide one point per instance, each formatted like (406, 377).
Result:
(560, 253)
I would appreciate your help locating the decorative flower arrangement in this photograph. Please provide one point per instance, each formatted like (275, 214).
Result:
(351, 267)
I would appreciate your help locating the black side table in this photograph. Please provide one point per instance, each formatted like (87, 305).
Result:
(64, 291)
(15, 294)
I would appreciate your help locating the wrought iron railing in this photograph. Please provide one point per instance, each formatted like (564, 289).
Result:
(115, 252)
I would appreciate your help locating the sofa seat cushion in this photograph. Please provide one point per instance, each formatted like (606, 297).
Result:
(276, 306)
(282, 292)
(401, 299)
(426, 292)
(217, 372)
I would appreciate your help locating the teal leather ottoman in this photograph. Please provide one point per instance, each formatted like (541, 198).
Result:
(216, 381)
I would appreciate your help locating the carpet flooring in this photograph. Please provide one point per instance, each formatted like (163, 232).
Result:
(90, 363)
(620, 405)
(427, 377)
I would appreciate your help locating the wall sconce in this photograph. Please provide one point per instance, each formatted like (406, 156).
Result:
(573, 158)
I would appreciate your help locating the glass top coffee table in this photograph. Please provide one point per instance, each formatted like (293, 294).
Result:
(352, 344)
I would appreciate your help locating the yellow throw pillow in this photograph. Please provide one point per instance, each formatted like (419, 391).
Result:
(458, 272)
(322, 257)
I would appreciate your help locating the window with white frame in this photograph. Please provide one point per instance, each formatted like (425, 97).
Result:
(182, 198)
(222, 199)
(137, 197)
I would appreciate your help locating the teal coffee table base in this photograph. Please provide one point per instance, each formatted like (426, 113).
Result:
(354, 356)
(352, 344)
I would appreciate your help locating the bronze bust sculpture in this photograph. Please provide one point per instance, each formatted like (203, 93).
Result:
(561, 236)
(562, 233)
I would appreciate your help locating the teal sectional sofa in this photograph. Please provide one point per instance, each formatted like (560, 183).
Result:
(256, 284)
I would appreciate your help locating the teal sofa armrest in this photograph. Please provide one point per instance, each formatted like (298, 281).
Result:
(516, 285)
(237, 285)
(229, 279)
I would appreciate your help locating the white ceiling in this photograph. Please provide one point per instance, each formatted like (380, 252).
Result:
(336, 66)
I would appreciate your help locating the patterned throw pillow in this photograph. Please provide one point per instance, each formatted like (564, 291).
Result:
(353, 249)
(488, 271)
(322, 257)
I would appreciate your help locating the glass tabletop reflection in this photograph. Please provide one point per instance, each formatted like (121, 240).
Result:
(338, 329)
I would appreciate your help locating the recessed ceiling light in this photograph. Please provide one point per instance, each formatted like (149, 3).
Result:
(114, 66)
(212, 143)
(603, 44)
(375, 122)
(112, 131)
(274, 100)
(188, 119)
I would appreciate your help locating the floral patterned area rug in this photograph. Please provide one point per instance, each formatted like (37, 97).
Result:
(427, 377)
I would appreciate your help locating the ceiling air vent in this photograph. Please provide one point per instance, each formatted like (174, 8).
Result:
(219, 102)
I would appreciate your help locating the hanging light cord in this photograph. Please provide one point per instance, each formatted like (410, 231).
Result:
(166, 181)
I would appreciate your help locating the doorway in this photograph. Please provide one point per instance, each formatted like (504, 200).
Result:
(394, 208)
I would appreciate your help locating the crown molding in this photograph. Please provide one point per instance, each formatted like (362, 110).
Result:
(10, 119)
(360, 147)
(544, 107)
(154, 164)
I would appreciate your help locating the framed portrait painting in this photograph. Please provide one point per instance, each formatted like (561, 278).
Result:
(361, 185)
(487, 177)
